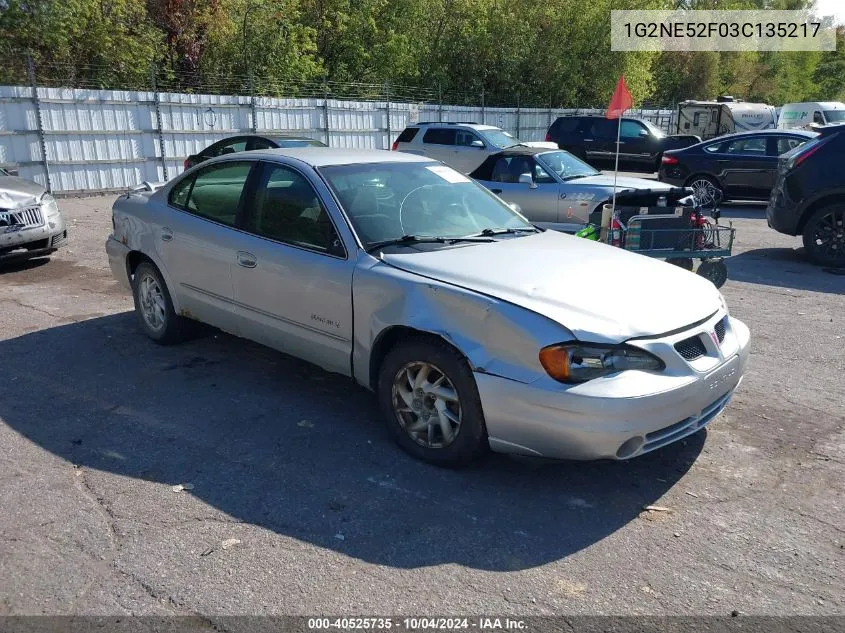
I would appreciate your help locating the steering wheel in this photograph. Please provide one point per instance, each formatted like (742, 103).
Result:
(414, 200)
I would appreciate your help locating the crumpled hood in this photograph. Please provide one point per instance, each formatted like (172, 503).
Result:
(19, 192)
(598, 292)
(603, 180)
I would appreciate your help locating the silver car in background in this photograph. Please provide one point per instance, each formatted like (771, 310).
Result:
(475, 329)
(557, 190)
(30, 222)
(462, 146)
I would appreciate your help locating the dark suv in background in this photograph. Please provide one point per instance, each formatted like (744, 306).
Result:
(809, 196)
(593, 138)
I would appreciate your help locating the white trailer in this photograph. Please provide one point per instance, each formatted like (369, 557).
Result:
(709, 119)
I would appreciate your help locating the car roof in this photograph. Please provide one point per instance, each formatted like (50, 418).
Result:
(470, 124)
(767, 132)
(325, 156)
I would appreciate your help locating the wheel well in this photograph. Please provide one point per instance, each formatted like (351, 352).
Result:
(388, 339)
(133, 259)
(818, 204)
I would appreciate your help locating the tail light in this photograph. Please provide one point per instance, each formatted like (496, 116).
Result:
(395, 145)
(548, 137)
(187, 163)
(805, 155)
(669, 160)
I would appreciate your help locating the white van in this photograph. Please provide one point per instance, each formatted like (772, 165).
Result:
(803, 115)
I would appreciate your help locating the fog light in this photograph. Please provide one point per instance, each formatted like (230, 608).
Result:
(52, 225)
(630, 447)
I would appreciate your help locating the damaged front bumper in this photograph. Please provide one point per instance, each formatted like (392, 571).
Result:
(30, 232)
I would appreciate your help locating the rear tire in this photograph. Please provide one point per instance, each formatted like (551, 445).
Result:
(154, 308)
(430, 403)
(824, 236)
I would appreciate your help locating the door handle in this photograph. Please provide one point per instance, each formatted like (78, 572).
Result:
(496, 191)
(247, 260)
(589, 140)
(166, 234)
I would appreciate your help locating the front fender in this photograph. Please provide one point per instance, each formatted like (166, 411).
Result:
(496, 337)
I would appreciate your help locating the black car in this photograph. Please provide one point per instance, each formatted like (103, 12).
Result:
(593, 138)
(808, 198)
(740, 166)
(247, 142)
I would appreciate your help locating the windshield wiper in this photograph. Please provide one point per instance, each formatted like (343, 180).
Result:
(574, 176)
(416, 239)
(490, 232)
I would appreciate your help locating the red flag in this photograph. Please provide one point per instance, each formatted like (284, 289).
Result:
(620, 101)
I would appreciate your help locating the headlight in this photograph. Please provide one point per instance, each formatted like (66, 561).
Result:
(580, 362)
(48, 203)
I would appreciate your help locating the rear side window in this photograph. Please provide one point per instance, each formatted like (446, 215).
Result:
(213, 193)
(408, 135)
(565, 124)
(229, 147)
(440, 136)
(787, 143)
(604, 128)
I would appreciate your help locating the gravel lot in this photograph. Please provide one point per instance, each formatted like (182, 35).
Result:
(301, 505)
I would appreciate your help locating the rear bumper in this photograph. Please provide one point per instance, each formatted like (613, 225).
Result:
(782, 214)
(630, 418)
(117, 253)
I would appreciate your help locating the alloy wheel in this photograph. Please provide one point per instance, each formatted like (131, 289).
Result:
(705, 192)
(151, 302)
(426, 404)
(829, 235)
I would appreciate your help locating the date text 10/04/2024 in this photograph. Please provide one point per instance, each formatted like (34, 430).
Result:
(417, 624)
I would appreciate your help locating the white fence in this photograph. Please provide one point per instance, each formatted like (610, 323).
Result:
(77, 141)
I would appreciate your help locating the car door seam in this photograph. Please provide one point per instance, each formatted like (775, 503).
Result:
(238, 304)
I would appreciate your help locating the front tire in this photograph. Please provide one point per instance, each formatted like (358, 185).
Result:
(154, 308)
(824, 236)
(430, 403)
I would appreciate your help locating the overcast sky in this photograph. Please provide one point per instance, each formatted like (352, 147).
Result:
(835, 8)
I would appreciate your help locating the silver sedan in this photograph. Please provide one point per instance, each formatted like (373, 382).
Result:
(30, 222)
(475, 329)
(556, 190)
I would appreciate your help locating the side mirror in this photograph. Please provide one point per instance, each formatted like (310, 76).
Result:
(526, 179)
(644, 134)
(477, 143)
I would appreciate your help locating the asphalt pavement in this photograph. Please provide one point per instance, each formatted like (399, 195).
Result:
(219, 477)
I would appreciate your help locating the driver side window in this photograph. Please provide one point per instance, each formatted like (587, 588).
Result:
(464, 138)
(541, 176)
(631, 129)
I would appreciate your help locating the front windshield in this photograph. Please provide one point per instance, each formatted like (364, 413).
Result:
(834, 116)
(386, 201)
(499, 138)
(566, 165)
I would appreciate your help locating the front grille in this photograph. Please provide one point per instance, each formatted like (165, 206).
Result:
(691, 348)
(720, 329)
(22, 218)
